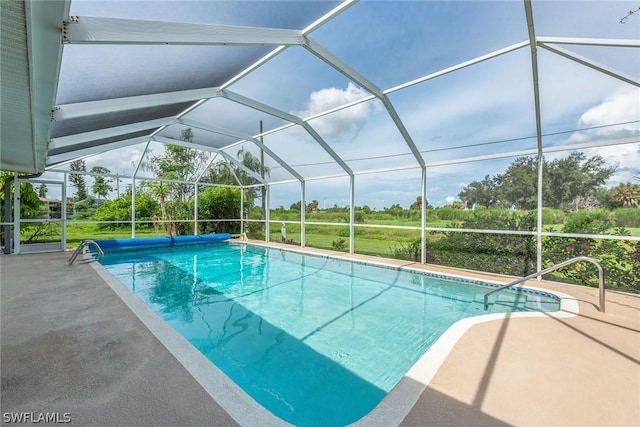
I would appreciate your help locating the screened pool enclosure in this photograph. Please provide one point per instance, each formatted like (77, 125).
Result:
(495, 136)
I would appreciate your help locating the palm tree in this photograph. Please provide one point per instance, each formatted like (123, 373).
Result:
(161, 190)
(627, 194)
(251, 162)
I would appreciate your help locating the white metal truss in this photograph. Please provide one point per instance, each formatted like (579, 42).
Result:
(240, 135)
(90, 108)
(589, 63)
(92, 30)
(79, 138)
(70, 155)
(325, 55)
(113, 31)
(227, 157)
(590, 42)
(240, 99)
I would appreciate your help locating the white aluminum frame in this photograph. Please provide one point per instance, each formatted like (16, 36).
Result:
(95, 30)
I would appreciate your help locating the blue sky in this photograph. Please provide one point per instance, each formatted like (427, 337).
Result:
(391, 43)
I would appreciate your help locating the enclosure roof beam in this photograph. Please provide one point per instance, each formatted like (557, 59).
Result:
(278, 50)
(89, 108)
(590, 42)
(73, 154)
(328, 57)
(209, 163)
(460, 66)
(79, 138)
(117, 31)
(256, 105)
(229, 158)
(240, 135)
(589, 63)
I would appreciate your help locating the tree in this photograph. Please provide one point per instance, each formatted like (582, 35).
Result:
(626, 195)
(573, 178)
(569, 183)
(179, 164)
(30, 208)
(226, 173)
(120, 210)
(30, 203)
(518, 186)
(484, 193)
(42, 190)
(312, 206)
(160, 190)
(101, 185)
(251, 162)
(78, 180)
(219, 203)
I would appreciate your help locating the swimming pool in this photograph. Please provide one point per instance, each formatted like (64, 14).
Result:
(315, 340)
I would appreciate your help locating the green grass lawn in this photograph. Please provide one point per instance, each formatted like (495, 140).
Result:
(378, 241)
(368, 240)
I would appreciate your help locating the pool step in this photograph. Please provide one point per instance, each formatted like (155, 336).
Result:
(519, 300)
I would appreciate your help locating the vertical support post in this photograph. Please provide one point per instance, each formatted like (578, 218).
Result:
(423, 221)
(133, 207)
(266, 214)
(7, 214)
(265, 205)
(303, 213)
(16, 214)
(351, 213)
(241, 210)
(536, 99)
(63, 212)
(133, 190)
(539, 215)
(195, 209)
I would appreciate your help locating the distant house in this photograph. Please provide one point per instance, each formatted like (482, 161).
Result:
(51, 208)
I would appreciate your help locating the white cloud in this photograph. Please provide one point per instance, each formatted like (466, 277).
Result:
(450, 199)
(621, 106)
(343, 124)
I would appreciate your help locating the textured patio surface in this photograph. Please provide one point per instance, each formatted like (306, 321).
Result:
(580, 371)
(69, 344)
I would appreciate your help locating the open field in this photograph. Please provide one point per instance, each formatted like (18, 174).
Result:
(499, 253)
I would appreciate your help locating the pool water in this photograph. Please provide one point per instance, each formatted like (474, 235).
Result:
(315, 340)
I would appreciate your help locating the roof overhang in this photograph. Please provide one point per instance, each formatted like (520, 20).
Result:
(31, 57)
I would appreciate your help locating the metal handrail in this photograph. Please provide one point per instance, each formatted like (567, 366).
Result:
(554, 268)
(83, 244)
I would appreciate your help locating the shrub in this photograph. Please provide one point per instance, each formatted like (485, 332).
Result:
(448, 213)
(339, 245)
(217, 203)
(497, 253)
(552, 216)
(411, 252)
(626, 217)
(120, 210)
(596, 221)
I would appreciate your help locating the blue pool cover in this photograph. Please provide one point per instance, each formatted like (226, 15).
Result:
(159, 242)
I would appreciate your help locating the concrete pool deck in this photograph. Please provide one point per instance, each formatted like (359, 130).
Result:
(71, 345)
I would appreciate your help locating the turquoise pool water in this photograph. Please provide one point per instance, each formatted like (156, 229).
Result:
(317, 341)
